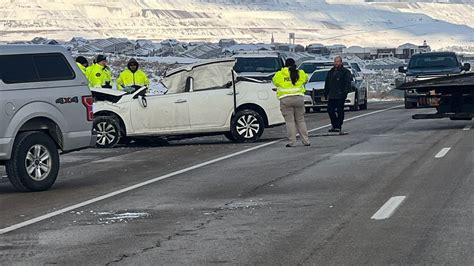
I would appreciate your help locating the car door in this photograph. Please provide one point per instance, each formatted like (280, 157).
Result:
(156, 114)
(210, 108)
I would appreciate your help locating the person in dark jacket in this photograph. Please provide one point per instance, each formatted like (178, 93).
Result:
(336, 88)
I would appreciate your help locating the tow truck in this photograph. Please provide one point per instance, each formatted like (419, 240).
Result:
(455, 94)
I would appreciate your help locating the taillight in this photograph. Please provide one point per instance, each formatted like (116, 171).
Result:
(88, 101)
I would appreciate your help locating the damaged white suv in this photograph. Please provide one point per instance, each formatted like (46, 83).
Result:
(202, 99)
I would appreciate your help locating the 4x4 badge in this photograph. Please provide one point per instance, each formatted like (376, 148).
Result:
(64, 100)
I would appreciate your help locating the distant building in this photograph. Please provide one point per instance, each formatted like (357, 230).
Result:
(406, 50)
(227, 43)
(238, 48)
(336, 49)
(204, 51)
(318, 49)
(361, 52)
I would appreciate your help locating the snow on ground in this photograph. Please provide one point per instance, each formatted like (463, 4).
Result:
(312, 21)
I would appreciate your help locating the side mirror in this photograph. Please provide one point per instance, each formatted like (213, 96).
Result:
(189, 87)
(140, 92)
(402, 69)
(143, 101)
(466, 67)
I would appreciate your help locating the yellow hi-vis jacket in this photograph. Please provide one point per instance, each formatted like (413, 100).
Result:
(98, 76)
(128, 78)
(82, 68)
(284, 85)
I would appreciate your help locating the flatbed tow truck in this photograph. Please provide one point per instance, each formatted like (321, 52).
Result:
(455, 94)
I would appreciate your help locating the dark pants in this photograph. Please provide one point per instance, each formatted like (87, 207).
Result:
(336, 112)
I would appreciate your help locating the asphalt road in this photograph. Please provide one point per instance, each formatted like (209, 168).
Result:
(392, 191)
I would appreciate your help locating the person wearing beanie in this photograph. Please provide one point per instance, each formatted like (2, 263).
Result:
(290, 83)
(82, 63)
(98, 74)
(336, 88)
(132, 77)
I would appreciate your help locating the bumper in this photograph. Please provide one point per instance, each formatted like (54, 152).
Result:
(79, 140)
(316, 99)
(6, 145)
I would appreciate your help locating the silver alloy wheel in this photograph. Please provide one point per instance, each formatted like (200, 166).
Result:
(38, 162)
(248, 126)
(106, 133)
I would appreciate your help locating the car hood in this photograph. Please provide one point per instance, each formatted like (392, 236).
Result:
(101, 94)
(432, 71)
(206, 74)
(319, 85)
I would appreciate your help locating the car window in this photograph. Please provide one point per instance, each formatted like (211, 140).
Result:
(433, 61)
(53, 67)
(17, 69)
(35, 68)
(260, 64)
(311, 67)
(319, 76)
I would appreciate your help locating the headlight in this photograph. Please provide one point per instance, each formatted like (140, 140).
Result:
(410, 79)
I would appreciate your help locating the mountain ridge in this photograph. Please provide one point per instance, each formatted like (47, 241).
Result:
(348, 22)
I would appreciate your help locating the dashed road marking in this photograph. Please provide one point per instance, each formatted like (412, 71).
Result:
(442, 152)
(387, 210)
(156, 179)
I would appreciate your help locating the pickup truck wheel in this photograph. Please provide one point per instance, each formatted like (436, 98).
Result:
(108, 131)
(307, 109)
(34, 164)
(247, 126)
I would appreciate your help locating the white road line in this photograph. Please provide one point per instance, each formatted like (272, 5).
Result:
(151, 181)
(467, 128)
(388, 208)
(442, 152)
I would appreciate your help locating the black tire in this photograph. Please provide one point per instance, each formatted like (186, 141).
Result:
(125, 140)
(36, 151)
(108, 131)
(307, 109)
(364, 105)
(316, 109)
(247, 126)
(356, 103)
(229, 136)
(409, 105)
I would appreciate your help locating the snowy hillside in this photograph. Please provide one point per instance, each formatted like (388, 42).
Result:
(349, 22)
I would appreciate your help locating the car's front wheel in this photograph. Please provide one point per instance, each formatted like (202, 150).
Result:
(247, 126)
(108, 131)
(34, 164)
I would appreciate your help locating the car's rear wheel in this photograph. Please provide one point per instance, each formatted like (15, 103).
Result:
(34, 164)
(364, 105)
(108, 131)
(356, 103)
(247, 126)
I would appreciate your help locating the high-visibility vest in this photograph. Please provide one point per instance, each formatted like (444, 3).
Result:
(98, 76)
(129, 78)
(82, 67)
(284, 85)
